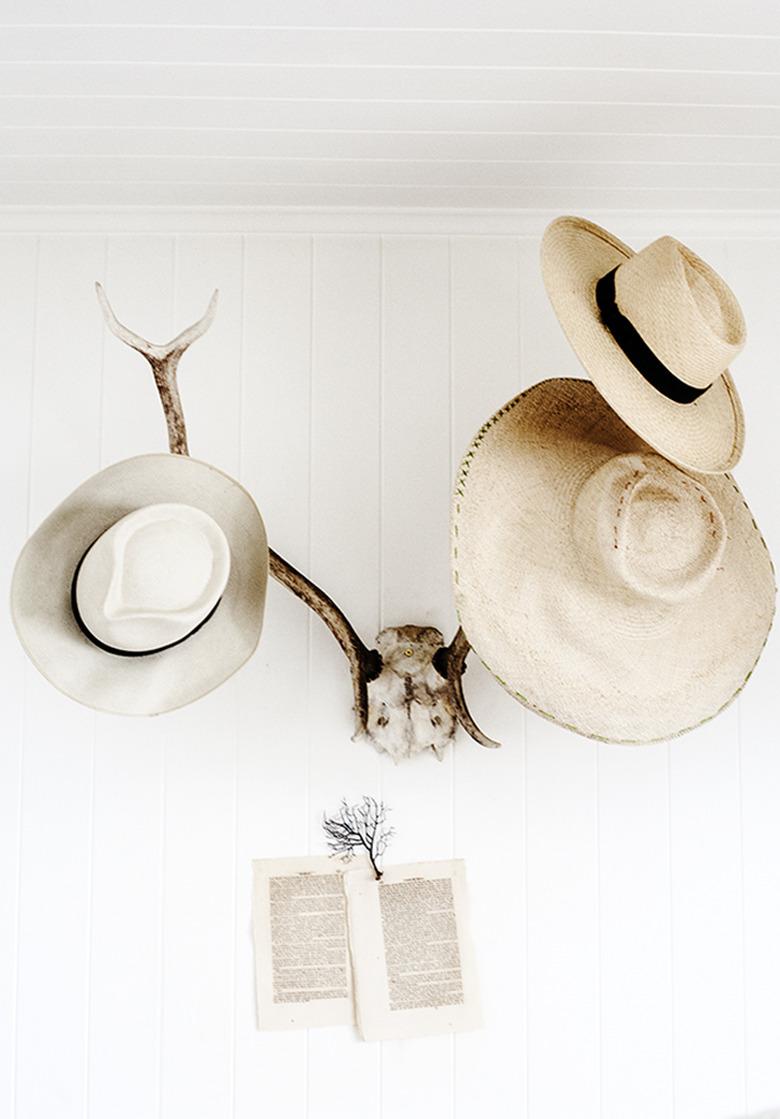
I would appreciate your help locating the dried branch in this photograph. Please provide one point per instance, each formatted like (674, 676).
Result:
(359, 825)
(450, 663)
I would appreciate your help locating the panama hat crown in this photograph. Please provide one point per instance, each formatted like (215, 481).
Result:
(647, 532)
(656, 331)
(681, 310)
(152, 579)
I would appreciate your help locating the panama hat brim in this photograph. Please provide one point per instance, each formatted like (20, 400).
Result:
(163, 681)
(548, 628)
(707, 435)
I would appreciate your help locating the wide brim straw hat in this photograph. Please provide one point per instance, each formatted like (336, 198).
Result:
(665, 368)
(604, 588)
(162, 681)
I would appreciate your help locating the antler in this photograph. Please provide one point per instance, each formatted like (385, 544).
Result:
(164, 360)
(450, 662)
(365, 664)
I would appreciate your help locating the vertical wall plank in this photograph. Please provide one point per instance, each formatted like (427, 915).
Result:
(635, 944)
(646, 879)
(55, 898)
(489, 826)
(201, 753)
(561, 782)
(753, 271)
(416, 403)
(707, 893)
(17, 331)
(126, 977)
(272, 790)
(343, 1076)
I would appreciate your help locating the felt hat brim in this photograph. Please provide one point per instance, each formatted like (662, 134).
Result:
(707, 435)
(552, 631)
(145, 685)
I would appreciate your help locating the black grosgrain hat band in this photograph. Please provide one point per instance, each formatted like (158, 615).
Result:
(637, 350)
(125, 652)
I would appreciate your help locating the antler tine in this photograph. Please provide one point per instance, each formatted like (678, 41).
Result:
(164, 360)
(450, 662)
(156, 350)
(182, 341)
(365, 664)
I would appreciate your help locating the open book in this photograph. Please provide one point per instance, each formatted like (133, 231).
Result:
(334, 946)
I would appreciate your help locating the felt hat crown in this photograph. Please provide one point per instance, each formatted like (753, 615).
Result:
(151, 579)
(656, 331)
(145, 588)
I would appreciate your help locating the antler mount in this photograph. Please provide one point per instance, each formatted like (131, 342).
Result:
(409, 691)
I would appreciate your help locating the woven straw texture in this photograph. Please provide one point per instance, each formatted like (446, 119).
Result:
(551, 623)
(684, 312)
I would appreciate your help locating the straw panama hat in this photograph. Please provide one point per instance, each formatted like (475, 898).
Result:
(145, 588)
(655, 331)
(604, 588)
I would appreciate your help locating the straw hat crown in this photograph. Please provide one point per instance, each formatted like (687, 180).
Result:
(656, 331)
(646, 531)
(682, 310)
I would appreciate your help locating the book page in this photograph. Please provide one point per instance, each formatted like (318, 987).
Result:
(411, 948)
(302, 962)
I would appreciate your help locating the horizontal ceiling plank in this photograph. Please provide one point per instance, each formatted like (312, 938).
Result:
(397, 47)
(376, 116)
(594, 86)
(562, 198)
(390, 172)
(715, 17)
(573, 147)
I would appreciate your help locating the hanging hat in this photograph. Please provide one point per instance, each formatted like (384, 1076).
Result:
(656, 331)
(605, 588)
(145, 588)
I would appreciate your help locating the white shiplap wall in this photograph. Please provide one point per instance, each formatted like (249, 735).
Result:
(626, 901)
(435, 103)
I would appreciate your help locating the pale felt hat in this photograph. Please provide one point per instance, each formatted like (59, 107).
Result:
(605, 588)
(145, 588)
(656, 331)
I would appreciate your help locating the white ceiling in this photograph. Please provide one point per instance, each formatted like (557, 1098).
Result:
(432, 103)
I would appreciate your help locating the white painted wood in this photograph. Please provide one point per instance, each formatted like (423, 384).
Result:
(561, 197)
(458, 147)
(488, 274)
(365, 45)
(401, 83)
(126, 962)
(201, 756)
(273, 745)
(356, 117)
(625, 901)
(53, 951)
(416, 459)
(754, 276)
(17, 327)
(345, 507)
(665, 16)
(476, 175)
(86, 94)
